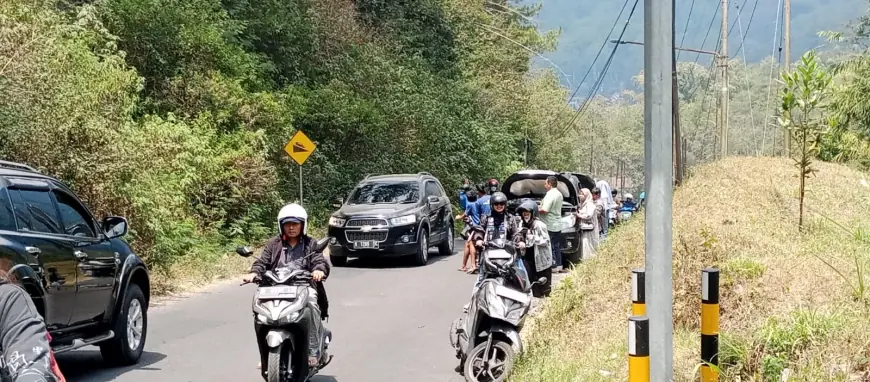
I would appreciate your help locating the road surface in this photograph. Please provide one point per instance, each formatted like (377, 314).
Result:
(389, 321)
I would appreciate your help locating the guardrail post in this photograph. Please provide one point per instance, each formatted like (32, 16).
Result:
(710, 325)
(638, 292)
(638, 349)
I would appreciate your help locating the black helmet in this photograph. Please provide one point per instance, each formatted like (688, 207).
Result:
(498, 198)
(466, 187)
(471, 195)
(481, 188)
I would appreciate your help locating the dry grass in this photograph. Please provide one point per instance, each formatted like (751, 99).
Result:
(783, 309)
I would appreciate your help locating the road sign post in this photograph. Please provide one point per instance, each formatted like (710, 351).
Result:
(300, 149)
(658, 178)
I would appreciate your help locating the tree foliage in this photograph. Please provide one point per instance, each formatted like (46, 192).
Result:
(175, 113)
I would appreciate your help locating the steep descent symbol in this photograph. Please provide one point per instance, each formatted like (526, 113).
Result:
(300, 147)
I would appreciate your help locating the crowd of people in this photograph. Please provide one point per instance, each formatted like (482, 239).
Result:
(541, 228)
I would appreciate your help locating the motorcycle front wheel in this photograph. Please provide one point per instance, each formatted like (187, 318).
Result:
(278, 371)
(492, 368)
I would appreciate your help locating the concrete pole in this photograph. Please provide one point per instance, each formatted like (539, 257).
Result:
(658, 178)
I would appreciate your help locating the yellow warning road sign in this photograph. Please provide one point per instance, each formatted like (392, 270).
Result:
(300, 147)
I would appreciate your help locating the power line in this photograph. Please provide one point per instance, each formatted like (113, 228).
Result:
(709, 28)
(743, 34)
(686, 28)
(601, 49)
(746, 66)
(600, 80)
(772, 65)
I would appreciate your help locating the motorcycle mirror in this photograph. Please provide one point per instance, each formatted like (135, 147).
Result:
(540, 281)
(321, 244)
(244, 251)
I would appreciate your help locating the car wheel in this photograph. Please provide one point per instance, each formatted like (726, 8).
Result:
(422, 256)
(446, 247)
(338, 261)
(130, 327)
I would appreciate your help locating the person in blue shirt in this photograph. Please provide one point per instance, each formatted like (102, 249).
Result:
(471, 216)
(463, 195)
(483, 200)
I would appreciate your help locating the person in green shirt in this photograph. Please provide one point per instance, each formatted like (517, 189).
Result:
(551, 215)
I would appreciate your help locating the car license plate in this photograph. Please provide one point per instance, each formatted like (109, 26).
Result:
(277, 292)
(365, 245)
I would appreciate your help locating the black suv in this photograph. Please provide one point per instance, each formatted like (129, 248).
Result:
(85, 281)
(395, 215)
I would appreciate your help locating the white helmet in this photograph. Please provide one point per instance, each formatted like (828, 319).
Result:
(629, 196)
(292, 213)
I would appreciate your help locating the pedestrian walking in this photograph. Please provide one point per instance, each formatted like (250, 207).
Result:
(608, 206)
(588, 232)
(551, 215)
(600, 215)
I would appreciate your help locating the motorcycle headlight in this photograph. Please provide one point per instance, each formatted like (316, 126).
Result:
(404, 220)
(336, 222)
(292, 317)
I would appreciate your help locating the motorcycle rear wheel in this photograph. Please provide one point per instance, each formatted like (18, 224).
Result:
(501, 353)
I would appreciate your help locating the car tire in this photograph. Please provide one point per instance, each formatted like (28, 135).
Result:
(338, 261)
(422, 256)
(126, 347)
(446, 247)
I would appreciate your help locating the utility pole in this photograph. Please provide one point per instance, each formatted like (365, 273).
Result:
(723, 99)
(786, 26)
(658, 183)
(675, 98)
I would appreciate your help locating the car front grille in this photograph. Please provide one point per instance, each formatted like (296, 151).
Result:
(366, 222)
(353, 236)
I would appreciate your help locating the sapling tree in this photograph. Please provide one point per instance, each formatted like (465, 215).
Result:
(804, 99)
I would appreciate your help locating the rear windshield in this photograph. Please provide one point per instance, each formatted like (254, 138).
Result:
(386, 193)
(535, 189)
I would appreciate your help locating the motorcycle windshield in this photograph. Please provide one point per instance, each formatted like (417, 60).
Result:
(286, 273)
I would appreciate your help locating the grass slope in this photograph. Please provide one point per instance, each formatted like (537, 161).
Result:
(791, 304)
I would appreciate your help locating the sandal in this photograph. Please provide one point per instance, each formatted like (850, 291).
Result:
(472, 271)
(463, 269)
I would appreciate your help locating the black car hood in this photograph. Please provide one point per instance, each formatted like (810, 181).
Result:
(375, 210)
(530, 184)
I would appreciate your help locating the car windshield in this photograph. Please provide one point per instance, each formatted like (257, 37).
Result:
(386, 193)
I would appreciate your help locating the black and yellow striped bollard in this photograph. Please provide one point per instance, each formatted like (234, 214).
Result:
(710, 325)
(638, 349)
(638, 292)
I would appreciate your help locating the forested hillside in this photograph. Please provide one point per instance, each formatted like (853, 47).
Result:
(584, 25)
(175, 113)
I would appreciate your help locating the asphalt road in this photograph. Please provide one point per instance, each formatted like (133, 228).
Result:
(389, 320)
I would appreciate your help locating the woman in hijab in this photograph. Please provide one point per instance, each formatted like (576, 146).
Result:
(25, 353)
(588, 224)
(538, 256)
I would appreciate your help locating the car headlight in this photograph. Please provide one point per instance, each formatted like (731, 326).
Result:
(403, 220)
(568, 222)
(336, 222)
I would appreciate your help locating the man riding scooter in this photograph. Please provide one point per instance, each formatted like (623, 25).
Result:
(294, 246)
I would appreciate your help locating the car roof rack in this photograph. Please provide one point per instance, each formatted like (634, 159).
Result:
(424, 173)
(17, 166)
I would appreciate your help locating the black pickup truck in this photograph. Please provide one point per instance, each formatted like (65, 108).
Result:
(84, 279)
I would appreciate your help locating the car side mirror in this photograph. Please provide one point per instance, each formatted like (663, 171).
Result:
(245, 251)
(115, 226)
(433, 200)
(337, 203)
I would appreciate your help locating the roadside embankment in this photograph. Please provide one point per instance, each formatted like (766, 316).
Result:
(793, 304)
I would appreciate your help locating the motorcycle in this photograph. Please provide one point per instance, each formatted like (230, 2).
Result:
(281, 307)
(486, 337)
